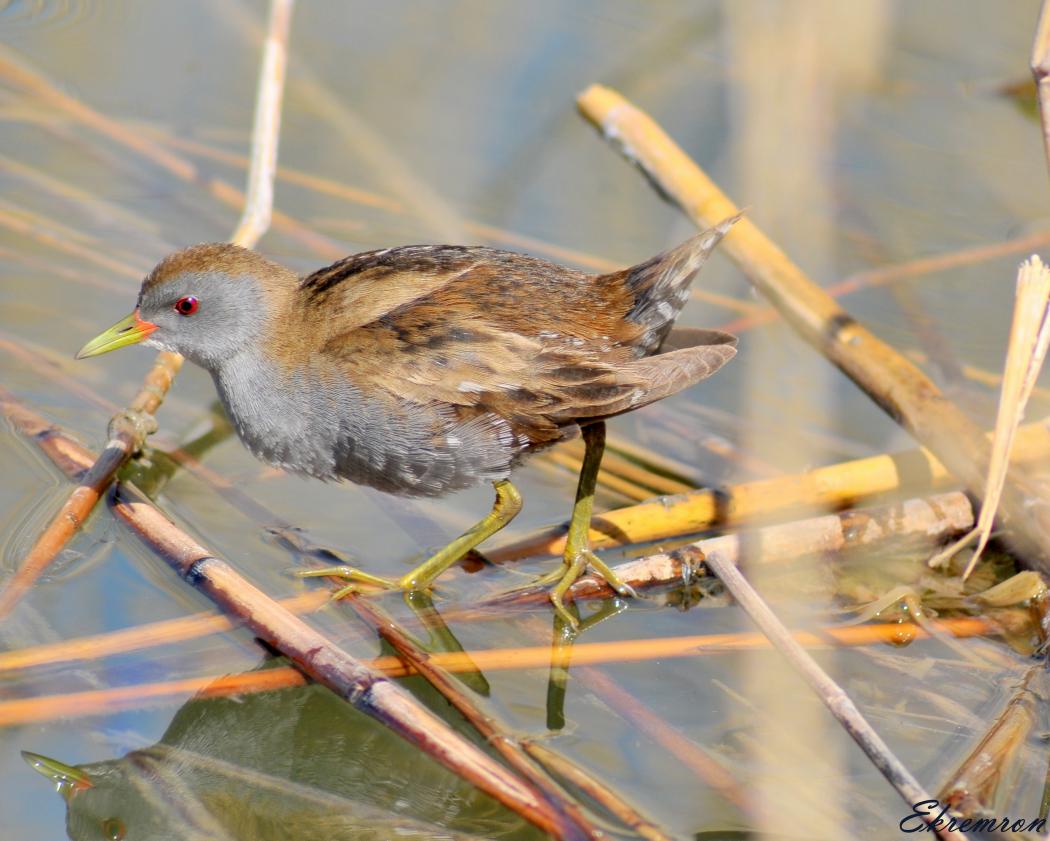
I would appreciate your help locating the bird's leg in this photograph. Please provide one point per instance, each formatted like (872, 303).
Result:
(441, 639)
(505, 509)
(578, 552)
(561, 655)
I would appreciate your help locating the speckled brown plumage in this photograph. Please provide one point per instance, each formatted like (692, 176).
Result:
(424, 369)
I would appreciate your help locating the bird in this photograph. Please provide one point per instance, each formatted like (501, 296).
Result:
(422, 370)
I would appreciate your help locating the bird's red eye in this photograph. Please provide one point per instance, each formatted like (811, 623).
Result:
(187, 305)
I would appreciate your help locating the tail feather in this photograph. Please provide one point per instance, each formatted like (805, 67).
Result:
(688, 356)
(660, 285)
(690, 337)
(670, 371)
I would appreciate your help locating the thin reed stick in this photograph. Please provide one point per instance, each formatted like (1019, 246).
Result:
(114, 699)
(266, 131)
(140, 637)
(935, 519)
(1040, 64)
(18, 711)
(830, 693)
(127, 432)
(894, 383)
(631, 471)
(232, 591)
(607, 479)
(598, 792)
(1029, 339)
(128, 429)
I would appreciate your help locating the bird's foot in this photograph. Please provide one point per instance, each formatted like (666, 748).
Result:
(356, 578)
(575, 562)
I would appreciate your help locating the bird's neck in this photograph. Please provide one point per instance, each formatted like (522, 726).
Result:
(258, 396)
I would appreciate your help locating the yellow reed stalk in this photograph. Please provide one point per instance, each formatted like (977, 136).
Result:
(895, 384)
(830, 488)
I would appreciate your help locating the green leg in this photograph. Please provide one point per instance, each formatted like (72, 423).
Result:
(505, 509)
(443, 640)
(561, 654)
(557, 683)
(578, 552)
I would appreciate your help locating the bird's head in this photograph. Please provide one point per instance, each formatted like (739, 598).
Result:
(207, 302)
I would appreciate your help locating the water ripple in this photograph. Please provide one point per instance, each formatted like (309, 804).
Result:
(37, 14)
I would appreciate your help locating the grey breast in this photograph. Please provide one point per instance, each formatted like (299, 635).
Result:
(304, 422)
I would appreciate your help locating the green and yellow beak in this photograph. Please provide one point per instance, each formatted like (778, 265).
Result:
(66, 779)
(127, 331)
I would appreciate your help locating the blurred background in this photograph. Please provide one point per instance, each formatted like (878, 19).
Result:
(862, 136)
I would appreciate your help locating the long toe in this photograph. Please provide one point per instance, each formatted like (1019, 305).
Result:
(620, 586)
(355, 577)
(563, 612)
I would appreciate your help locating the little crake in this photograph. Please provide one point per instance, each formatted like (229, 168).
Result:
(427, 369)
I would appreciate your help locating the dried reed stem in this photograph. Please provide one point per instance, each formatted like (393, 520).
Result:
(607, 479)
(266, 132)
(494, 734)
(831, 694)
(893, 382)
(327, 663)
(35, 358)
(1029, 338)
(609, 799)
(1040, 63)
(119, 698)
(139, 637)
(641, 477)
(833, 487)
(884, 275)
(971, 790)
(931, 520)
(272, 621)
(128, 429)
(355, 680)
(104, 701)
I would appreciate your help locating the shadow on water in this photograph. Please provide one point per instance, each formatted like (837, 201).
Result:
(296, 762)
